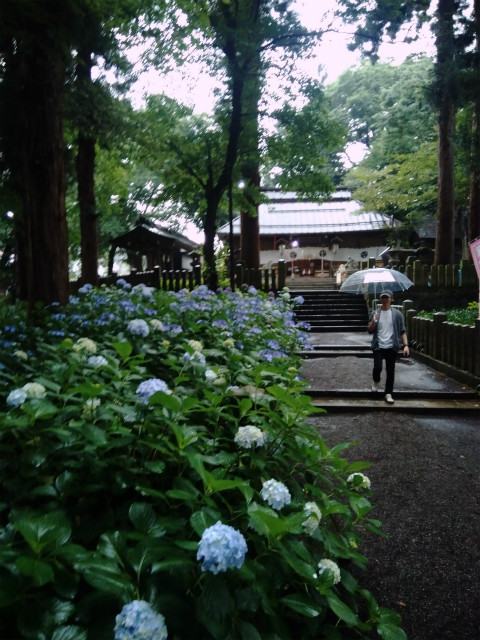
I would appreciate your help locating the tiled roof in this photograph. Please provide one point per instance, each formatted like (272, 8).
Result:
(285, 214)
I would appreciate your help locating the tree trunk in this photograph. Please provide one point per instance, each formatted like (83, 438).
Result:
(445, 233)
(474, 200)
(88, 216)
(86, 178)
(43, 242)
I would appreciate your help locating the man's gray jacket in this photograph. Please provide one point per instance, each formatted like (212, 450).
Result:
(398, 330)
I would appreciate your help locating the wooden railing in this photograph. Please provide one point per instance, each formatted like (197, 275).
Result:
(437, 276)
(454, 344)
(272, 279)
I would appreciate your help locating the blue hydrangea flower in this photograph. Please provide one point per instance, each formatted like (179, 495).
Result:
(138, 621)
(138, 327)
(86, 288)
(299, 300)
(16, 398)
(97, 361)
(149, 387)
(276, 494)
(222, 547)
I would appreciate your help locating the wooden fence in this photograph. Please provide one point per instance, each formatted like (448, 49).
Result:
(272, 279)
(454, 344)
(442, 276)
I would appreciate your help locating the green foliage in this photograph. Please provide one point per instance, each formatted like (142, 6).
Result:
(107, 489)
(466, 316)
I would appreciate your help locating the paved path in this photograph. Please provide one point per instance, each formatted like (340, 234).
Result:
(425, 484)
(339, 374)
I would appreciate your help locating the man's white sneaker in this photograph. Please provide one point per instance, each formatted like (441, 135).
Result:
(389, 399)
(375, 386)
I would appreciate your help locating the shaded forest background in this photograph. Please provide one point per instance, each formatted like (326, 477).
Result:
(78, 164)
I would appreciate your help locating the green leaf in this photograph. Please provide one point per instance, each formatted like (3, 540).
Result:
(303, 604)
(342, 610)
(357, 466)
(124, 349)
(165, 400)
(44, 410)
(391, 631)
(40, 572)
(155, 466)
(248, 631)
(87, 389)
(360, 505)
(40, 531)
(201, 520)
(96, 435)
(70, 632)
(142, 516)
(105, 575)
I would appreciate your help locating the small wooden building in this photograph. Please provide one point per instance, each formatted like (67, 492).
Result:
(148, 245)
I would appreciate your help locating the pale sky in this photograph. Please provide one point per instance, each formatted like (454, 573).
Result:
(196, 88)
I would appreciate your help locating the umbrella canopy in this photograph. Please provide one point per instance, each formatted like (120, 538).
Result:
(373, 280)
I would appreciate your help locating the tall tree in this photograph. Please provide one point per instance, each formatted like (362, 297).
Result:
(445, 43)
(34, 43)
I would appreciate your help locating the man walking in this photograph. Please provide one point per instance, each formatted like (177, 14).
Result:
(389, 335)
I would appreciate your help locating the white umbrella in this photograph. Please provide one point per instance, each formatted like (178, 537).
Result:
(373, 280)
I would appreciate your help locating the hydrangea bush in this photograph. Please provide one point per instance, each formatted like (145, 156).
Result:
(160, 477)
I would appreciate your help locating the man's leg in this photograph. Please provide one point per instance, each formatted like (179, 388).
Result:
(377, 365)
(390, 359)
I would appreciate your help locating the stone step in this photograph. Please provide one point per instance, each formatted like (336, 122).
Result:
(368, 402)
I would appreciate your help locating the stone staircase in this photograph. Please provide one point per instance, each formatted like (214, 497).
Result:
(328, 310)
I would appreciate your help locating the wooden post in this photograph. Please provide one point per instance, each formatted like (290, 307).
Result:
(441, 275)
(164, 280)
(190, 280)
(476, 348)
(282, 273)
(439, 335)
(410, 315)
(240, 275)
(274, 280)
(266, 280)
(197, 274)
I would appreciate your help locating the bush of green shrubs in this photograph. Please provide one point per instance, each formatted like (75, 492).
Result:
(159, 478)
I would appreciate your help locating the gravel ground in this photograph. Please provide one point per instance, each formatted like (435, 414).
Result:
(426, 492)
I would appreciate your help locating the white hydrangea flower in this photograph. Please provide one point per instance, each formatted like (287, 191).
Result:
(229, 342)
(21, 355)
(326, 564)
(157, 325)
(196, 345)
(85, 345)
(90, 406)
(250, 436)
(359, 481)
(313, 517)
(210, 375)
(275, 494)
(34, 390)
